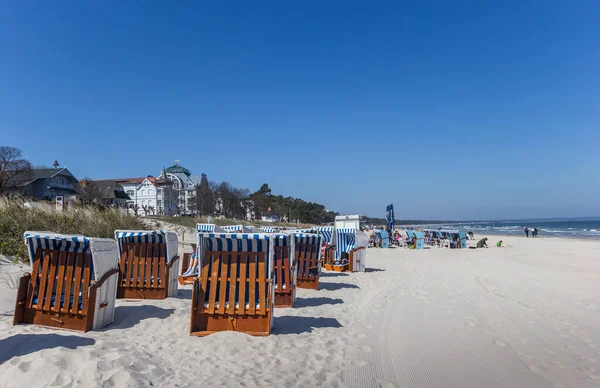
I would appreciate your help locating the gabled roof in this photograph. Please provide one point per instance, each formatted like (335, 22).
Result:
(32, 175)
(108, 189)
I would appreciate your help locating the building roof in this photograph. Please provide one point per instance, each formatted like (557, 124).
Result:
(26, 177)
(107, 189)
(178, 169)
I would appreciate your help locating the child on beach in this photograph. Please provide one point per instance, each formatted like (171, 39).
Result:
(499, 244)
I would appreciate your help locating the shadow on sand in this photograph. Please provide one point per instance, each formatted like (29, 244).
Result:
(335, 286)
(314, 302)
(23, 344)
(332, 274)
(184, 294)
(129, 316)
(297, 325)
(374, 270)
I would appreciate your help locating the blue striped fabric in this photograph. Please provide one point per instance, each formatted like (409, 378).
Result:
(236, 229)
(205, 227)
(326, 233)
(345, 240)
(68, 243)
(140, 236)
(267, 229)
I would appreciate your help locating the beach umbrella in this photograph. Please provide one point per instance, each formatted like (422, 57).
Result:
(389, 216)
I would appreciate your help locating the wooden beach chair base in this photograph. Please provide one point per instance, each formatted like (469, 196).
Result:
(30, 311)
(204, 323)
(312, 284)
(284, 299)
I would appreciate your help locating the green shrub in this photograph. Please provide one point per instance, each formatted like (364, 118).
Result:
(15, 219)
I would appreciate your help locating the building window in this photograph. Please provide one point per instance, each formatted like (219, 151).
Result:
(130, 192)
(159, 203)
(143, 192)
(150, 192)
(143, 203)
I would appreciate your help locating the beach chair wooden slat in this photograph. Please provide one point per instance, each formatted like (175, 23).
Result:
(262, 284)
(243, 259)
(148, 258)
(252, 257)
(224, 260)
(34, 277)
(44, 278)
(135, 262)
(233, 280)
(142, 259)
(50, 282)
(69, 281)
(87, 261)
(212, 297)
(128, 253)
(158, 262)
(60, 273)
(78, 275)
(286, 270)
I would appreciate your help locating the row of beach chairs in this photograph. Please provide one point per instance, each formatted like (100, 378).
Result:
(243, 273)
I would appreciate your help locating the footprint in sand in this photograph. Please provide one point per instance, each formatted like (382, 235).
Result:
(499, 343)
(534, 369)
(469, 323)
(449, 312)
(491, 333)
(25, 366)
(365, 348)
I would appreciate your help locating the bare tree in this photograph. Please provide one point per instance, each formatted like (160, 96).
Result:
(13, 168)
(135, 207)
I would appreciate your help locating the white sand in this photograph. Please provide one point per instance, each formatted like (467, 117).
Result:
(523, 316)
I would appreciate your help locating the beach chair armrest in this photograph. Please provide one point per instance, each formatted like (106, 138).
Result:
(104, 278)
(173, 261)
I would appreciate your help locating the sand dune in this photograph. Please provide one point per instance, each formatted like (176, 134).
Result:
(523, 316)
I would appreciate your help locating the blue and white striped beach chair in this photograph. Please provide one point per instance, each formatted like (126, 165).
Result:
(235, 288)
(73, 282)
(236, 229)
(148, 264)
(307, 257)
(284, 265)
(351, 252)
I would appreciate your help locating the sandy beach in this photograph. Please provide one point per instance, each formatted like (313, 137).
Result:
(525, 315)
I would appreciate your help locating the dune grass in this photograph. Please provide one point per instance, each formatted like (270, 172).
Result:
(15, 219)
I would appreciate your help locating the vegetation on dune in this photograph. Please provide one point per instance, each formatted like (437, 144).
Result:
(89, 221)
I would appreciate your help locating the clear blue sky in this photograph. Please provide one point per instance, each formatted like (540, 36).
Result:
(458, 110)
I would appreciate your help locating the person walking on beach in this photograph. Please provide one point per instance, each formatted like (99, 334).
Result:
(526, 232)
(534, 232)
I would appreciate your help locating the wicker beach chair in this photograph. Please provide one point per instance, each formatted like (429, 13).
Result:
(148, 264)
(307, 253)
(285, 270)
(350, 250)
(73, 282)
(234, 290)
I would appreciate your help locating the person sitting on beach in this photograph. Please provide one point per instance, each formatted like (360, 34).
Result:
(193, 268)
(482, 243)
(470, 235)
(499, 244)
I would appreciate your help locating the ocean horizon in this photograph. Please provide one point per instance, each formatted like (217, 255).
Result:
(581, 227)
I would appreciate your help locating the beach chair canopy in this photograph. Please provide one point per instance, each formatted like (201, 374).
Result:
(210, 228)
(236, 229)
(149, 237)
(326, 232)
(104, 251)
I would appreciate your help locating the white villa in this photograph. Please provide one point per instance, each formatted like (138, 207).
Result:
(184, 183)
(150, 198)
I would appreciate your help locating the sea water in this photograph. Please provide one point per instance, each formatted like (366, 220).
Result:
(549, 228)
